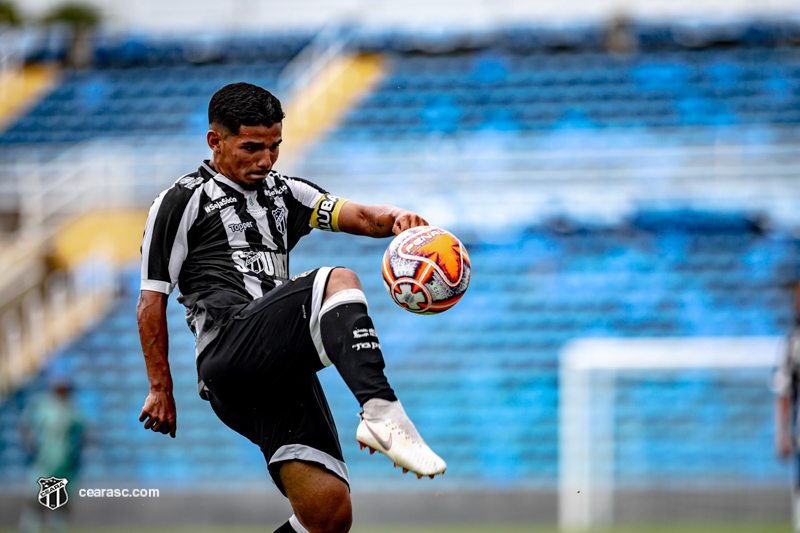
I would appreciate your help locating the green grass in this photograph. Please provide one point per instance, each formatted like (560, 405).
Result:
(453, 528)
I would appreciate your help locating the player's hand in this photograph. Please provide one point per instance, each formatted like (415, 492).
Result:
(159, 414)
(405, 220)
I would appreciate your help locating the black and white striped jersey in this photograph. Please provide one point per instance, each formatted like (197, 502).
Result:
(223, 246)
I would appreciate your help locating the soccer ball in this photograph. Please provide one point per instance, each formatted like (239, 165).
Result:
(426, 270)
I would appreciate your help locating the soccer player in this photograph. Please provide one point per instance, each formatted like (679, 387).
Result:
(222, 236)
(52, 435)
(786, 408)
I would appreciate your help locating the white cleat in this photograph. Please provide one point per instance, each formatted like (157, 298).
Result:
(385, 427)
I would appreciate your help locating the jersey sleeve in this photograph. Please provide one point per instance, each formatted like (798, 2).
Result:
(326, 213)
(164, 246)
(314, 208)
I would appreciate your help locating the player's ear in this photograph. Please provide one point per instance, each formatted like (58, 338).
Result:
(214, 140)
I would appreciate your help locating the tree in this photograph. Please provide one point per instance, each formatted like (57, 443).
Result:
(9, 14)
(82, 18)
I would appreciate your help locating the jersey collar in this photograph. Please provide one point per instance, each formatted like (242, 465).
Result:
(221, 178)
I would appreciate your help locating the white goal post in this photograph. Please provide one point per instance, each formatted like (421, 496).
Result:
(588, 372)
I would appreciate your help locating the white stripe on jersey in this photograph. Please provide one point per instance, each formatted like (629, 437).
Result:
(259, 213)
(179, 246)
(303, 192)
(229, 217)
(236, 239)
(148, 237)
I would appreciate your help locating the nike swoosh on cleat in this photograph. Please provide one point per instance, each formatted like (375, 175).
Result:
(387, 444)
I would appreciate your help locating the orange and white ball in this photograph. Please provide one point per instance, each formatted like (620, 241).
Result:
(426, 270)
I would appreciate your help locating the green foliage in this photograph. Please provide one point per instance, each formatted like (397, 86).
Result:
(76, 15)
(9, 13)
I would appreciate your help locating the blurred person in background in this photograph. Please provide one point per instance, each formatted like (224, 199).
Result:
(786, 408)
(52, 435)
(222, 235)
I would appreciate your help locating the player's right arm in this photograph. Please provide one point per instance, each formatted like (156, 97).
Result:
(164, 248)
(783, 426)
(159, 413)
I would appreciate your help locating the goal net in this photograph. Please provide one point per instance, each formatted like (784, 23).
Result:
(666, 413)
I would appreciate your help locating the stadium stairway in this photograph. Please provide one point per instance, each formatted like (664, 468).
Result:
(480, 380)
(20, 89)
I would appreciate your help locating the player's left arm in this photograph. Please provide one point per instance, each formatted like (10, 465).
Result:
(334, 213)
(377, 220)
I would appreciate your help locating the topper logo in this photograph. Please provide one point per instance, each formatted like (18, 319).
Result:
(240, 226)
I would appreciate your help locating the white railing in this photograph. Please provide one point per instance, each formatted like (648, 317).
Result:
(48, 315)
(460, 181)
(99, 174)
(463, 178)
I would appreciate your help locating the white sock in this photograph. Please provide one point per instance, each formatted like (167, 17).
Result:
(296, 525)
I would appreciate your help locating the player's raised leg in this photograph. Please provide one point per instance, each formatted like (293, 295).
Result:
(320, 500)
(352, 345)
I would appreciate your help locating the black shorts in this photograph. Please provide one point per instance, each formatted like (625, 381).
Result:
(261, 377)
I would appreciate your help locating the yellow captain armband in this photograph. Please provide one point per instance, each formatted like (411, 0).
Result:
(326, 213)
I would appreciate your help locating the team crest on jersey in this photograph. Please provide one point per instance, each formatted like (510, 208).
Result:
(279, 214)
(53, 492)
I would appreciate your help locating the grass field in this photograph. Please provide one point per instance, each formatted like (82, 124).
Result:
(438, 528)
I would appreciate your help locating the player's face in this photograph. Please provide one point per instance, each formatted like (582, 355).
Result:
(246, 158)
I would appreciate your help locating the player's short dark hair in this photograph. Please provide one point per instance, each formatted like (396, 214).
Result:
(243, 104)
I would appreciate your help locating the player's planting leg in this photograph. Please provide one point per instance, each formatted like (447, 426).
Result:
(352, 345)
(320, 500)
